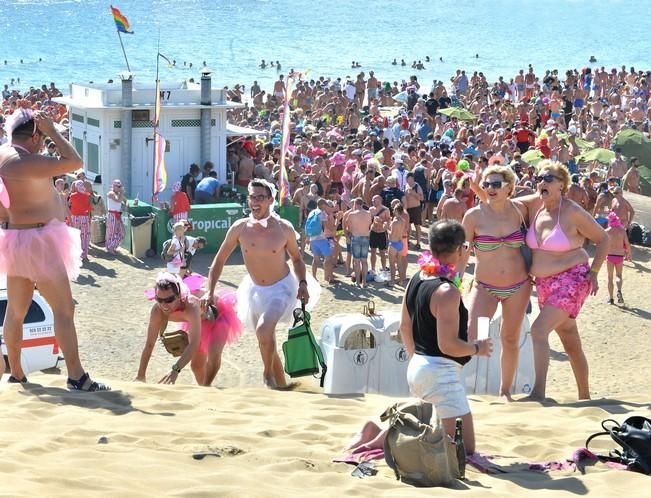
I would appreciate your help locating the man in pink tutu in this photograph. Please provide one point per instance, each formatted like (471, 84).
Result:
(208, 332)
(36, 246)
(270, 291)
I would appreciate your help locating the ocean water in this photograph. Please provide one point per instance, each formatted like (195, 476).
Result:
(76, 40)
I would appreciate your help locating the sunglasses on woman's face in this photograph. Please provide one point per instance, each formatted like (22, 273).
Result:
(495, 185)
(548, 178)
(166, 300)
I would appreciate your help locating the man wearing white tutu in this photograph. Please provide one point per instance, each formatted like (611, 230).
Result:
(269, 293)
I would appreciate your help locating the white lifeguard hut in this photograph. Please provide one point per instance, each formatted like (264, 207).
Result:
(111, 129)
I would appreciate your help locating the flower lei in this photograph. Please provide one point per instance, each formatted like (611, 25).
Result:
(432, 266)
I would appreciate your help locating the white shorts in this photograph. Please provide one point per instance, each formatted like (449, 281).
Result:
(274, 303)
(437, 380)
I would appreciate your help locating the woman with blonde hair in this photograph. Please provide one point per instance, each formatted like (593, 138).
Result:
(563, 276)
(494, 228)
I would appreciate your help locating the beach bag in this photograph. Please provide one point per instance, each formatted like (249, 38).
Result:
(634, 436)
(525, 250)
(421, 454)
(174, 342)
(302, 354)
(313, 227)
(169, 257)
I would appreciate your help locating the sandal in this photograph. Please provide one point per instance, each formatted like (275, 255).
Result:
(78, 385)
(14, 380)
(620, 297)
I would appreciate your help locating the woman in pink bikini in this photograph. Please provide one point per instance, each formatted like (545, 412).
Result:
(564, 277)
(493, 228)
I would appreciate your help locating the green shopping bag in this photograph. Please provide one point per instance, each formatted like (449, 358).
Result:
(303, 355)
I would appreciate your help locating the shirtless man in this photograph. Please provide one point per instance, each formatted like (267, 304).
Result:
(279, 89)
(454, 208)
(378, 238)
(269, 292)
(413, 203)
(35, 227)
(631, 180)
(372, 86)
(358, 224)
(245, 168)
(397, 228)
(621, 207)
(448, 193)
(578, 194)
(617, 167)
(618, 250)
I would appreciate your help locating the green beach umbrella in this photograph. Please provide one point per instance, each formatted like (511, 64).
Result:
(533, 156)
(634, 144)
(599, 154)
(583, 145)
(457, 112)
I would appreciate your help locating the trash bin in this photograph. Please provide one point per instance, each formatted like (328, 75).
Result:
(141, 235)
(392, 357)
(350, 346)
(98, 230)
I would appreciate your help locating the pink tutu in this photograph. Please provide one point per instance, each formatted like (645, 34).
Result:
(41, 254)
(226, 328)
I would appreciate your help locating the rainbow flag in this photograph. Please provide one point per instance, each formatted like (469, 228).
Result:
(284, 195)
(160, 173)
(121, 22)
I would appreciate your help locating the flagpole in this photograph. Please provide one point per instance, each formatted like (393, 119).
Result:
(123, 51)
(156, 119)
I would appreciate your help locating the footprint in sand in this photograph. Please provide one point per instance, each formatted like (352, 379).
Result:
(226, 451)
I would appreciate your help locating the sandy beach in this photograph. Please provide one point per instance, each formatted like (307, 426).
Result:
(144, 439)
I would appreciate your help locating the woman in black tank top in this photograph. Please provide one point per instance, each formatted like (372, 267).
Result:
(434, 329)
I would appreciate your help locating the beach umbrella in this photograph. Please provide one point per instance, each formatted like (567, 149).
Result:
(627, 137)
(583, 145)
(634, 144)
(599, 154)
(401, 97)
(533, 156)
(460, 114)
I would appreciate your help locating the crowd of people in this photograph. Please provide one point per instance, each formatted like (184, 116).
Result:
(494, 169)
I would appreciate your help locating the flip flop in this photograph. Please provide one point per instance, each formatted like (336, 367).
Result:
(14, 380)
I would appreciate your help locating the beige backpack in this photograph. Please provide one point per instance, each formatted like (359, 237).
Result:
(419, 453)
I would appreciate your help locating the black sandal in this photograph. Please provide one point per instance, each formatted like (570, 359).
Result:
(14, 380)
(78, 385)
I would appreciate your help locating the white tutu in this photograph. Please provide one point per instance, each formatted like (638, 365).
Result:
(274, 303)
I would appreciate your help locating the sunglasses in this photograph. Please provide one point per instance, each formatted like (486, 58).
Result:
(548, 178)
(166, 300)
(495, 185)
(259, 197)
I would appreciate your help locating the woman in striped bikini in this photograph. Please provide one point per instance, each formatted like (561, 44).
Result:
(493, 228)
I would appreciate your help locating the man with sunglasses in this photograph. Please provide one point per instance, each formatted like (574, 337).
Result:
(270, 291)
(36, 247)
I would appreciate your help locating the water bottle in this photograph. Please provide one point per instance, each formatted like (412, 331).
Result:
(461, 450)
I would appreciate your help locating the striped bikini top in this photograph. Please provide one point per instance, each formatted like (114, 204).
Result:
(514, 240)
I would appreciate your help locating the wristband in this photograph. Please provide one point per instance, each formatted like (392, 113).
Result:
(176, 368)
(302, 282)
(476, 348)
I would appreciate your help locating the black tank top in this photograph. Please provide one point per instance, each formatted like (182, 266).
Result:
(423, 327)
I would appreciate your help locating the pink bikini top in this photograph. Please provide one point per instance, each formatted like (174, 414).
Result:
(556, 241)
